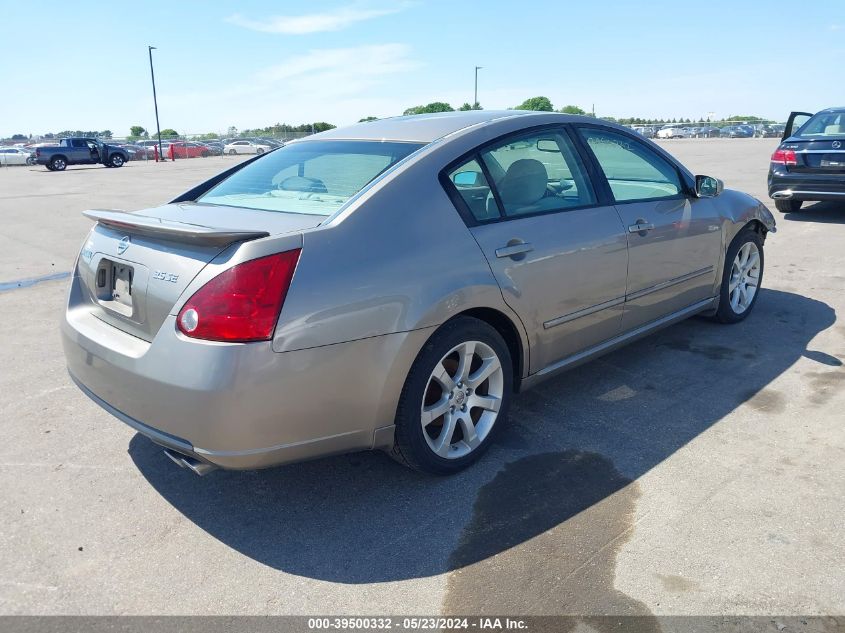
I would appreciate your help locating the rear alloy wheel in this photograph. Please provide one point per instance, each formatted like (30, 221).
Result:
(116, 160)
(742, 277)
(788, 206)
(232, 152)
(457, 392)
(58, 164)
(260, 151)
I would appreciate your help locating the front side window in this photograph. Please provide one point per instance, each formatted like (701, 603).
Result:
(633, 171)
(310, 177)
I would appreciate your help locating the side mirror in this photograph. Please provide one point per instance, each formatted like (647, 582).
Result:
(547, 145)
(708, 187)
(467, 179)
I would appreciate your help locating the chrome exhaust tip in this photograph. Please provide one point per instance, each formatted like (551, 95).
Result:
(782, 195)
(191, 463)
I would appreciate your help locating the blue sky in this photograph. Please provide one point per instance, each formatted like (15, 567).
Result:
(84, 65)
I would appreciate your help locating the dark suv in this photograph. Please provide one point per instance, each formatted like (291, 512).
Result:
(809, 164)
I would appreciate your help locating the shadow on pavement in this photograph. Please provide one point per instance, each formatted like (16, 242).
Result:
(570, 444)
(821, 212)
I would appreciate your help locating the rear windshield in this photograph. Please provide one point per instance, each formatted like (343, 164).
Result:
(823, 124)
(311, 177)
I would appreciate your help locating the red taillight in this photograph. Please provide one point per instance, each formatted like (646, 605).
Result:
(241, 304)
(784, 157)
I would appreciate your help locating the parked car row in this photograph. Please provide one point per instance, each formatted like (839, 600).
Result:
(145, 150)
(16, 156)
(710, 131)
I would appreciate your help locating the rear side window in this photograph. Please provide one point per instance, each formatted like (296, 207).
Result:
(538, 173)
(472, 185)
(633, 171)
(823, 124)
(311, 177)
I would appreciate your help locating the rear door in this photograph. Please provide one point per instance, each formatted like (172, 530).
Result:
(674, 238)
(78, 152)
(558, 253)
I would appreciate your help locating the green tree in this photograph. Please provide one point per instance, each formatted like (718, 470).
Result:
(18, 137)
(367, 119)
(169, 133)
(541, 104)
(571, 109)
(106, 134)
(435, 106)
(137, 130)
(466, 106)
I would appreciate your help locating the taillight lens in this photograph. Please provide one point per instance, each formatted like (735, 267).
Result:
(241, 304)
(784, 157)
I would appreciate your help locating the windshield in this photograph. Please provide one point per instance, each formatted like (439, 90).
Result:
(311, 177)
(823, 124)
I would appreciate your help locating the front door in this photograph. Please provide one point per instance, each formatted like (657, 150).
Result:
(559, 256)
(674, 238)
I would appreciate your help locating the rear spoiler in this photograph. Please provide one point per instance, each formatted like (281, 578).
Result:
(169, 229)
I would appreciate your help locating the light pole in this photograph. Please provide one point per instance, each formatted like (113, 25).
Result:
(475, 100)
(150, 50)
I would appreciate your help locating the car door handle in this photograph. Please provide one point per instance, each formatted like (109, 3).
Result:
(640, 227)
(514, 249)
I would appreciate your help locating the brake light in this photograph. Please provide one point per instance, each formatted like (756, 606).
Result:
(241, 304)
(784, 157)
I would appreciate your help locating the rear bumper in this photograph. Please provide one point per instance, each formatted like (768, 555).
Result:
(785, 185)
(242, 406)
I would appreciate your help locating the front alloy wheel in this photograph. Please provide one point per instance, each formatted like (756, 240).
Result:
(742, 277)
(456, 394)
(745, 277)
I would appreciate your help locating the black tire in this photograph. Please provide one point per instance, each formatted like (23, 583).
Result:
(726, 312)
(205, 154)
(117, 160)
(410, 445)
(30, 161)
(58, 163)
(788, 206)
(232, 152)
(260, 151)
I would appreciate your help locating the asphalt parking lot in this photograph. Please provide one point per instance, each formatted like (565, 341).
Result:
(698, 471)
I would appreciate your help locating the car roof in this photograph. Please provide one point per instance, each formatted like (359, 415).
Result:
(836, 109)
(425, 128)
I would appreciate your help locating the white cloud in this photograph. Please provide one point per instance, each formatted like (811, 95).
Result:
(321, 84)
(334, 20)
(356, 63)
(835, 27)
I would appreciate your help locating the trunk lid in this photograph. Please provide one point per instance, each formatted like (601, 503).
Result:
(817, 156)
(135, 266)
